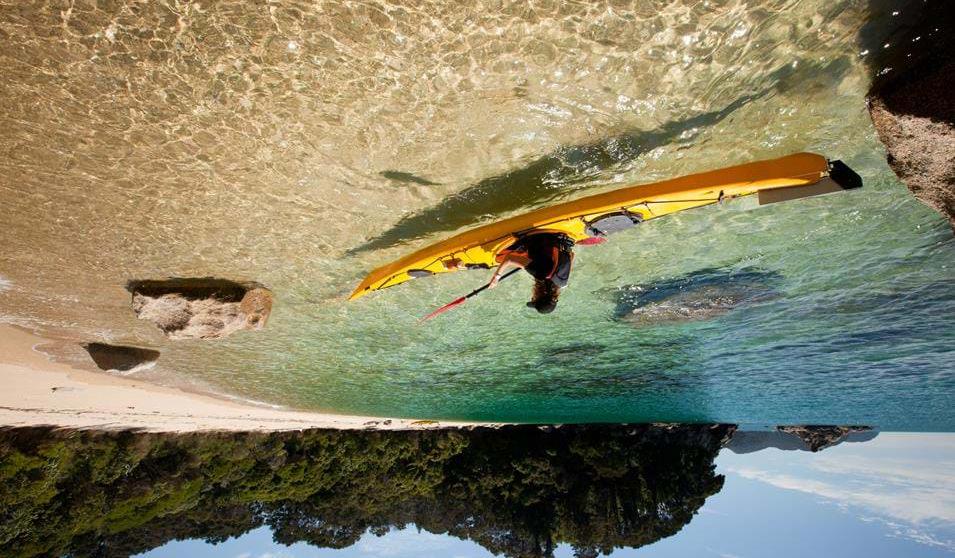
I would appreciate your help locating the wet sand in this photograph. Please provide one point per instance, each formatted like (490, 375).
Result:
(38, 391)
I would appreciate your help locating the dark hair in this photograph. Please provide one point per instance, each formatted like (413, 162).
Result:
(544, 298)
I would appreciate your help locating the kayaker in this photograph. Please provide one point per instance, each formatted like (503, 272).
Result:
(548, 257)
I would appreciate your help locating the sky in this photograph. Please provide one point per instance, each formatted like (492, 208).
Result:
(888, 497)
(891, 496)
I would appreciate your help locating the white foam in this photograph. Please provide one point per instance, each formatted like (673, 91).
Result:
(138, 368)
(252, 402)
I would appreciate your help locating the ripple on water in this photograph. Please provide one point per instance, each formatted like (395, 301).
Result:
(301, 146)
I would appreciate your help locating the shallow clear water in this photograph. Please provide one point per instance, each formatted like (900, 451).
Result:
(303, 145)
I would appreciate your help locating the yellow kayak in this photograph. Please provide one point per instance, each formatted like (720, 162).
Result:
(794, 176)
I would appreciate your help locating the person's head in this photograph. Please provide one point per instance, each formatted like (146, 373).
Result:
(544, 297)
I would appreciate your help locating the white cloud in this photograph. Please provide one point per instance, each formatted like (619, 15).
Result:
(913, 504)
(908, 472)
(908, 496)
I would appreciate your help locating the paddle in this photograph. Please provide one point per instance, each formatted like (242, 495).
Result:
(463, 299)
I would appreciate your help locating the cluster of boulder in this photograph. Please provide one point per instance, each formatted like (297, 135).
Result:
(186, 308)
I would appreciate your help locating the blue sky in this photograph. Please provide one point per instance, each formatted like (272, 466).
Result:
(889, 497)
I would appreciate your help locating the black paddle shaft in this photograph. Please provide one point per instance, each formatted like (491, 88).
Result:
(505, 276)
(461, 300)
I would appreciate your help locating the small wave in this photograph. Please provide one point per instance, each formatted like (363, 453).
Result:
(245, 400)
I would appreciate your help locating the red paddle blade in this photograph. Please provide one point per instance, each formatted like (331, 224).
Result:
(444, 309)
(591, 241)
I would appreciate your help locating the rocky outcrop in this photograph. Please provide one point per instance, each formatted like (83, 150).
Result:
(750, 441)
(913, 109)
(201, 308)
(915, 119)
(818, 437)
(121, 358)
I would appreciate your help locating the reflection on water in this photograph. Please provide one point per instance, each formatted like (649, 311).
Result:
(516, 491)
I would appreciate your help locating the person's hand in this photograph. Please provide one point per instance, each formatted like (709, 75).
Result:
(494, 281)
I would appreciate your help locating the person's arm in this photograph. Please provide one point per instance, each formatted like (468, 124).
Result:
(511, 260)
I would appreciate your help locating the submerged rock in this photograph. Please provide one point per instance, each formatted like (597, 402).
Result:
(913, 109)
(201, 308)
(400, 176)
(121, 358)
(700, 295)
(571, 353)
(818, 437)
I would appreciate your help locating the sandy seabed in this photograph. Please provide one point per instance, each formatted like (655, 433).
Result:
(37, 391)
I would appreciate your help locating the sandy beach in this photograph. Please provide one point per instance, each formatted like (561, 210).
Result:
(37, 391)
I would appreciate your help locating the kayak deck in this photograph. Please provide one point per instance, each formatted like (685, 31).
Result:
(478, 247)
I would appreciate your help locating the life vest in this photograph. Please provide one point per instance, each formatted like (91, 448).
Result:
(551, 256)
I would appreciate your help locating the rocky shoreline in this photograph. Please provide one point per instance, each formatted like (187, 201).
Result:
(913, 109)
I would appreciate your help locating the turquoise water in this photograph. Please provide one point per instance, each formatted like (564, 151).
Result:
(853, 321)
(303, 146)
